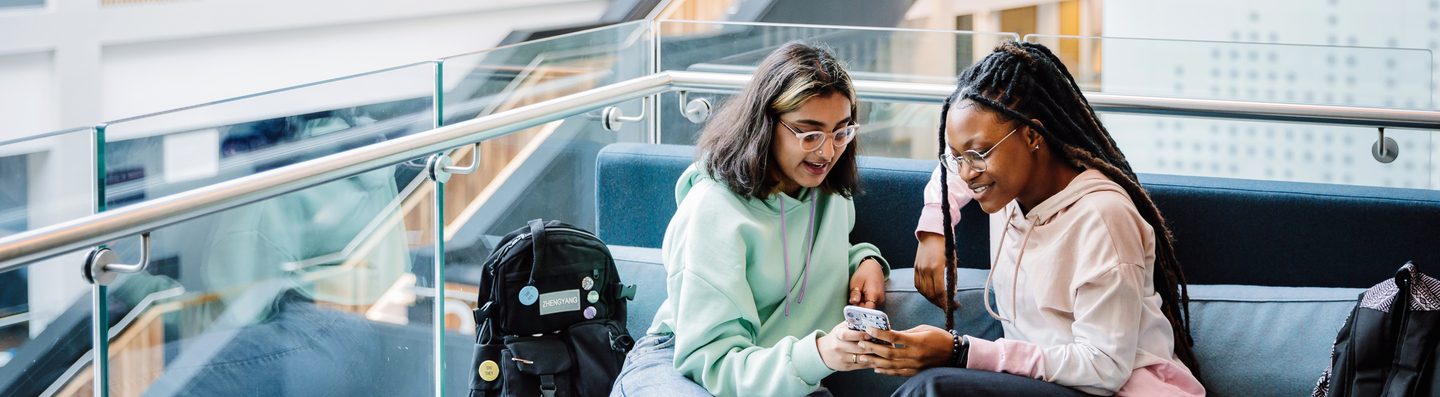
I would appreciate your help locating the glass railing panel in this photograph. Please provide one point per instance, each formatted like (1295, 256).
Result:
(322, 291)
(874, 54)
(45, 306)
(1396, 78)
(551, 176)
(905, 55)
(48, 178)
(45, 329)
(164, 153)
(1273, 151)
(505, 78)
(489, 81)
(555, 159)
(1392, 78)
(1260, 150)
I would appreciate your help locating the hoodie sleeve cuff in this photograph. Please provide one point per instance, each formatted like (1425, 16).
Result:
(805, 356)
(932, 220)
(984, 355)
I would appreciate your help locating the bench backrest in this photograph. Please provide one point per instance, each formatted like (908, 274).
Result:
(1228, 231)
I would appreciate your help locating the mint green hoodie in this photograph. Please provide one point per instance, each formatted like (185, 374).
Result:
(726, 287)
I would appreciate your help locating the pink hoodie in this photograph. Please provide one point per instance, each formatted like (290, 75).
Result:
(1089, 317)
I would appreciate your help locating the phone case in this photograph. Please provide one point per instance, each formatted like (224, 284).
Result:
(858, 318)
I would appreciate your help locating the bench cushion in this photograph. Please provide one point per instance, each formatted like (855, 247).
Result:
(1251, 340)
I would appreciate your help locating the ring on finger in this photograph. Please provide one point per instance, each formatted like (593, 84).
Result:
(854, 358)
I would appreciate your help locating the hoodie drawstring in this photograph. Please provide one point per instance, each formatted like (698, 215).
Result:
(785, 250)
(1015, 280)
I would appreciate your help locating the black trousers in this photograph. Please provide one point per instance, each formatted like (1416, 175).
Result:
(956, 382)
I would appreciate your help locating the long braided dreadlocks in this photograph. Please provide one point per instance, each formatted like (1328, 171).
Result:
(1025, 81)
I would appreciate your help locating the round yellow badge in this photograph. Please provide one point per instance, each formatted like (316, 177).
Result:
(489, 370)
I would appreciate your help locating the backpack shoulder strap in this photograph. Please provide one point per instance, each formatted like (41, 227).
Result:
(537, 240)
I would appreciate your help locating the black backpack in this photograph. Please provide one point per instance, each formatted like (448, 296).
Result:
(1388, 345)
(551, 319)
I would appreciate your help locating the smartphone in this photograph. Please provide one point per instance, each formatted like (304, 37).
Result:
(858, 318)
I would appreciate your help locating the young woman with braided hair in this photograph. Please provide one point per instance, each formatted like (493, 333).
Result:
(1087, 288)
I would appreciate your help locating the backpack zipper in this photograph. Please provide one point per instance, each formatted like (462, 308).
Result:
(506, 248)
(516, 240)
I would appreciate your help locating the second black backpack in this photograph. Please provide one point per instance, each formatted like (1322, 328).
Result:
(1388, 346)
(551, 303)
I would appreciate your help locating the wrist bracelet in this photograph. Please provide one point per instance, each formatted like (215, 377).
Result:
(955, 349)
(959, 350)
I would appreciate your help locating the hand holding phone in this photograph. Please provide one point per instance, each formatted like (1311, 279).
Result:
(859, 318)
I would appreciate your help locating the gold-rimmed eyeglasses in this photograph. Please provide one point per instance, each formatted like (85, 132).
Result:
(976, 160)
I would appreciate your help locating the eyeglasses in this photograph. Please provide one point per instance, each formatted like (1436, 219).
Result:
(809, 141)
(971, 158)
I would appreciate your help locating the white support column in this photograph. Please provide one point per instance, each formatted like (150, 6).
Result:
(62, 179)
(1047, 18)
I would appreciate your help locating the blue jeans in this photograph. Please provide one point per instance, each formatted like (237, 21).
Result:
(308, 350)
(970, 382)
(650, 371)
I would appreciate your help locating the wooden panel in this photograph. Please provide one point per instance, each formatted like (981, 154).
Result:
(137, 358)
(1019, 20)
(695, 10)
(1069, 50)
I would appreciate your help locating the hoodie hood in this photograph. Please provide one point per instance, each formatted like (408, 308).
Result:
(691, 177)
(1049, 211)
(1090, 181)
(1075, 290)
(696, 175)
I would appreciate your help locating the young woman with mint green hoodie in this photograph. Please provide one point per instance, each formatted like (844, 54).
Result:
(758, 257)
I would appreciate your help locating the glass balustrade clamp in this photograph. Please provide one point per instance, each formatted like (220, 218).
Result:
(102, 266)
(696, 110)
(441, 167)
(1385, 149)
(612, 118)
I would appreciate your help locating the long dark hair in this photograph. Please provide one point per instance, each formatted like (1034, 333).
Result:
(1025, 81)
(735, 145)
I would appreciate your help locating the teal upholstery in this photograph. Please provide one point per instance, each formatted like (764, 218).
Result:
(1252, 340)
(1266, 341)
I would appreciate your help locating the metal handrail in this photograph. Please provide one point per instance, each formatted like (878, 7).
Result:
(872, 90)
(19, 249)
(50, 241)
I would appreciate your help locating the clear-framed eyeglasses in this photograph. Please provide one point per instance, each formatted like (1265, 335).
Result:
(976, 160)
(809, 141)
